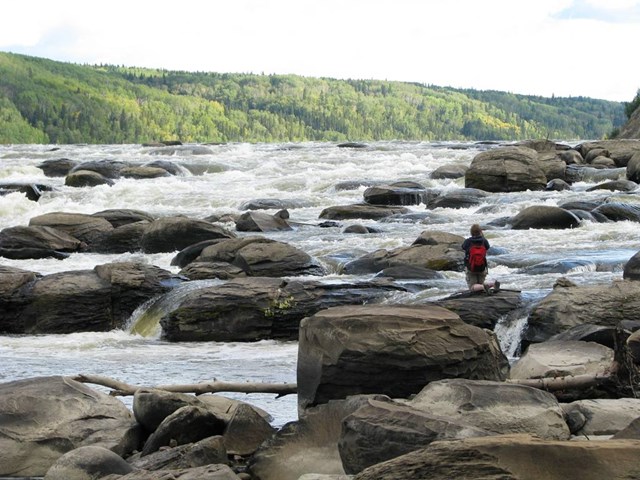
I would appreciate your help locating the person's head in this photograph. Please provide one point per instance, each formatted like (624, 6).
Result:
(476, 231)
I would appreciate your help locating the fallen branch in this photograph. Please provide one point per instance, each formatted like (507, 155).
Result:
(119, 388)
(554, 384)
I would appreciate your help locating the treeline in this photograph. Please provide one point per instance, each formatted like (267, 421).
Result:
(43, 101)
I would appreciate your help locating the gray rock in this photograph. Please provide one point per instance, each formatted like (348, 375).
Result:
(617, 211)
(261, 222)
(394, 194)
(43, 418)
(210, 450)
(87, 463)
(459, 198)
(374, 356)
(118, 217)
(107, 168)
(603, 416)
(544, 216)
(59, 167)
(451, 171)
(141, 172)
(86, 228)
(37, 242)
(176, 233)
(351, 212)
(86, 178)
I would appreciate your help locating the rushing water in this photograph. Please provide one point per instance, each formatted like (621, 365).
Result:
(219, 180)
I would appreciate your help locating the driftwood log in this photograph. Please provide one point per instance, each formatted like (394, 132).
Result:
(119, 388)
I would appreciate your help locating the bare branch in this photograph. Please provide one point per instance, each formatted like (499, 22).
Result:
(124, 389)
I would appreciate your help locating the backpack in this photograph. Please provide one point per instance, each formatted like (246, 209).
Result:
(477, 257)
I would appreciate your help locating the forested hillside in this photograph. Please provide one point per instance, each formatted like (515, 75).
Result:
(43, 101)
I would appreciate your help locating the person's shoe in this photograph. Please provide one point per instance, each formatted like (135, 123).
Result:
(496, 286)
(487, 290)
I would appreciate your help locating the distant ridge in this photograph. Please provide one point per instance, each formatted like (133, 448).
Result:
(44, 101)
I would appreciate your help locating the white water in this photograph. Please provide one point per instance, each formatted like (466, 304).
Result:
(305, 173)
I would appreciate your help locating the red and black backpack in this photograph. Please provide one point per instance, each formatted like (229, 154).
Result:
(477, 257)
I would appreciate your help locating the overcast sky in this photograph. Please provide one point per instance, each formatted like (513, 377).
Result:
(537, 47)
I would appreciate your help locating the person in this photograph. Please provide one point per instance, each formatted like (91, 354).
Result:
(475, 248)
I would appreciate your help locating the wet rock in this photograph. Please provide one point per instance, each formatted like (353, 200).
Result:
(209, 270)
(618, 212)
(46, 417)
(614, 186)
(601, 416)
(620, 151)
(479, 309)
(633, 168)
(33, 191)
(119, 217)
(208, 451)
(459, 198)
(126, 238)
(12, 282)
(557, 185)
(141, 172)
(171, 168)
(261, 222)
(106, 168)
(449, 171)
(374, 356)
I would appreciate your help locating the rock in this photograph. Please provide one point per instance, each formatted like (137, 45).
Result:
(631, 268)
(12, 302)
(272, 204)
(394, 194)
(633, 344)
(507, 169)
(382, 430)
(261, 257)
(306, 446)
(601, 416)
(87, 463)
(571, 157)
(190, 253)
(614, 186)
(33, 191)
(409, 272)
(45, 417)
(450, 170)
(123, 239)
(602, 162)
(37, 242)
(617, 212)
(208, 472)
(352, 145)
(152, 406)
(176, 233)
(557, 185)
(552, 165)
(132, 284)
(459, 198)
(512, 457)
(261, 222)
(86, 228)
(494, 407)
(246, 431)
(372, 336)
(633, 168)
(360, 229)
(436, 253)
(351, 212)
(186, 425)
(86, 178)
(356, 184)
(565, 308)
(562, 359)
(210, 450)
(481, 310)
(59, 167)
(141, 172)
(119, 217)
(604, 335)
(251, 309)
(171, 168)
(107, 168)
(620, 151)
(544, 216)
(209, 270)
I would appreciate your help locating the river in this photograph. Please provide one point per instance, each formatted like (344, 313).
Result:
(219, 179)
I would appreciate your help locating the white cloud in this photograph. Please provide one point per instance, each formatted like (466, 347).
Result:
(542, 47)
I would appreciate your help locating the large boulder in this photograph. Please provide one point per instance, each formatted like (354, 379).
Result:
(566, 307)
(481, 310)
(458, 198)
(263, 222)
(261, 257)
(251, 309)
(23, 242)
(390, 350)
(618, 212)
(12, 302)
(512, 457)
(107, 168)
(123, 239)
(169, 234)
(118, 217)
(43, 418)
(86, 178)
(33, 191)
(86, 228)
(620, 151)
(633, 168)
(58, 167)
(631, 268)
(508, 169)
(208, 451)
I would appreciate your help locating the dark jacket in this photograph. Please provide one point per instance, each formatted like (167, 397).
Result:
(467, 244)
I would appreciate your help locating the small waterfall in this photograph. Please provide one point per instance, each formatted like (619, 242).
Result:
(145, 320)
(509, 330)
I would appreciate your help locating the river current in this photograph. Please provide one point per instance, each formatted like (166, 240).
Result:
(220, 179)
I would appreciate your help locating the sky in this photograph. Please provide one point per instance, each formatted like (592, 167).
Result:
(533, 47)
